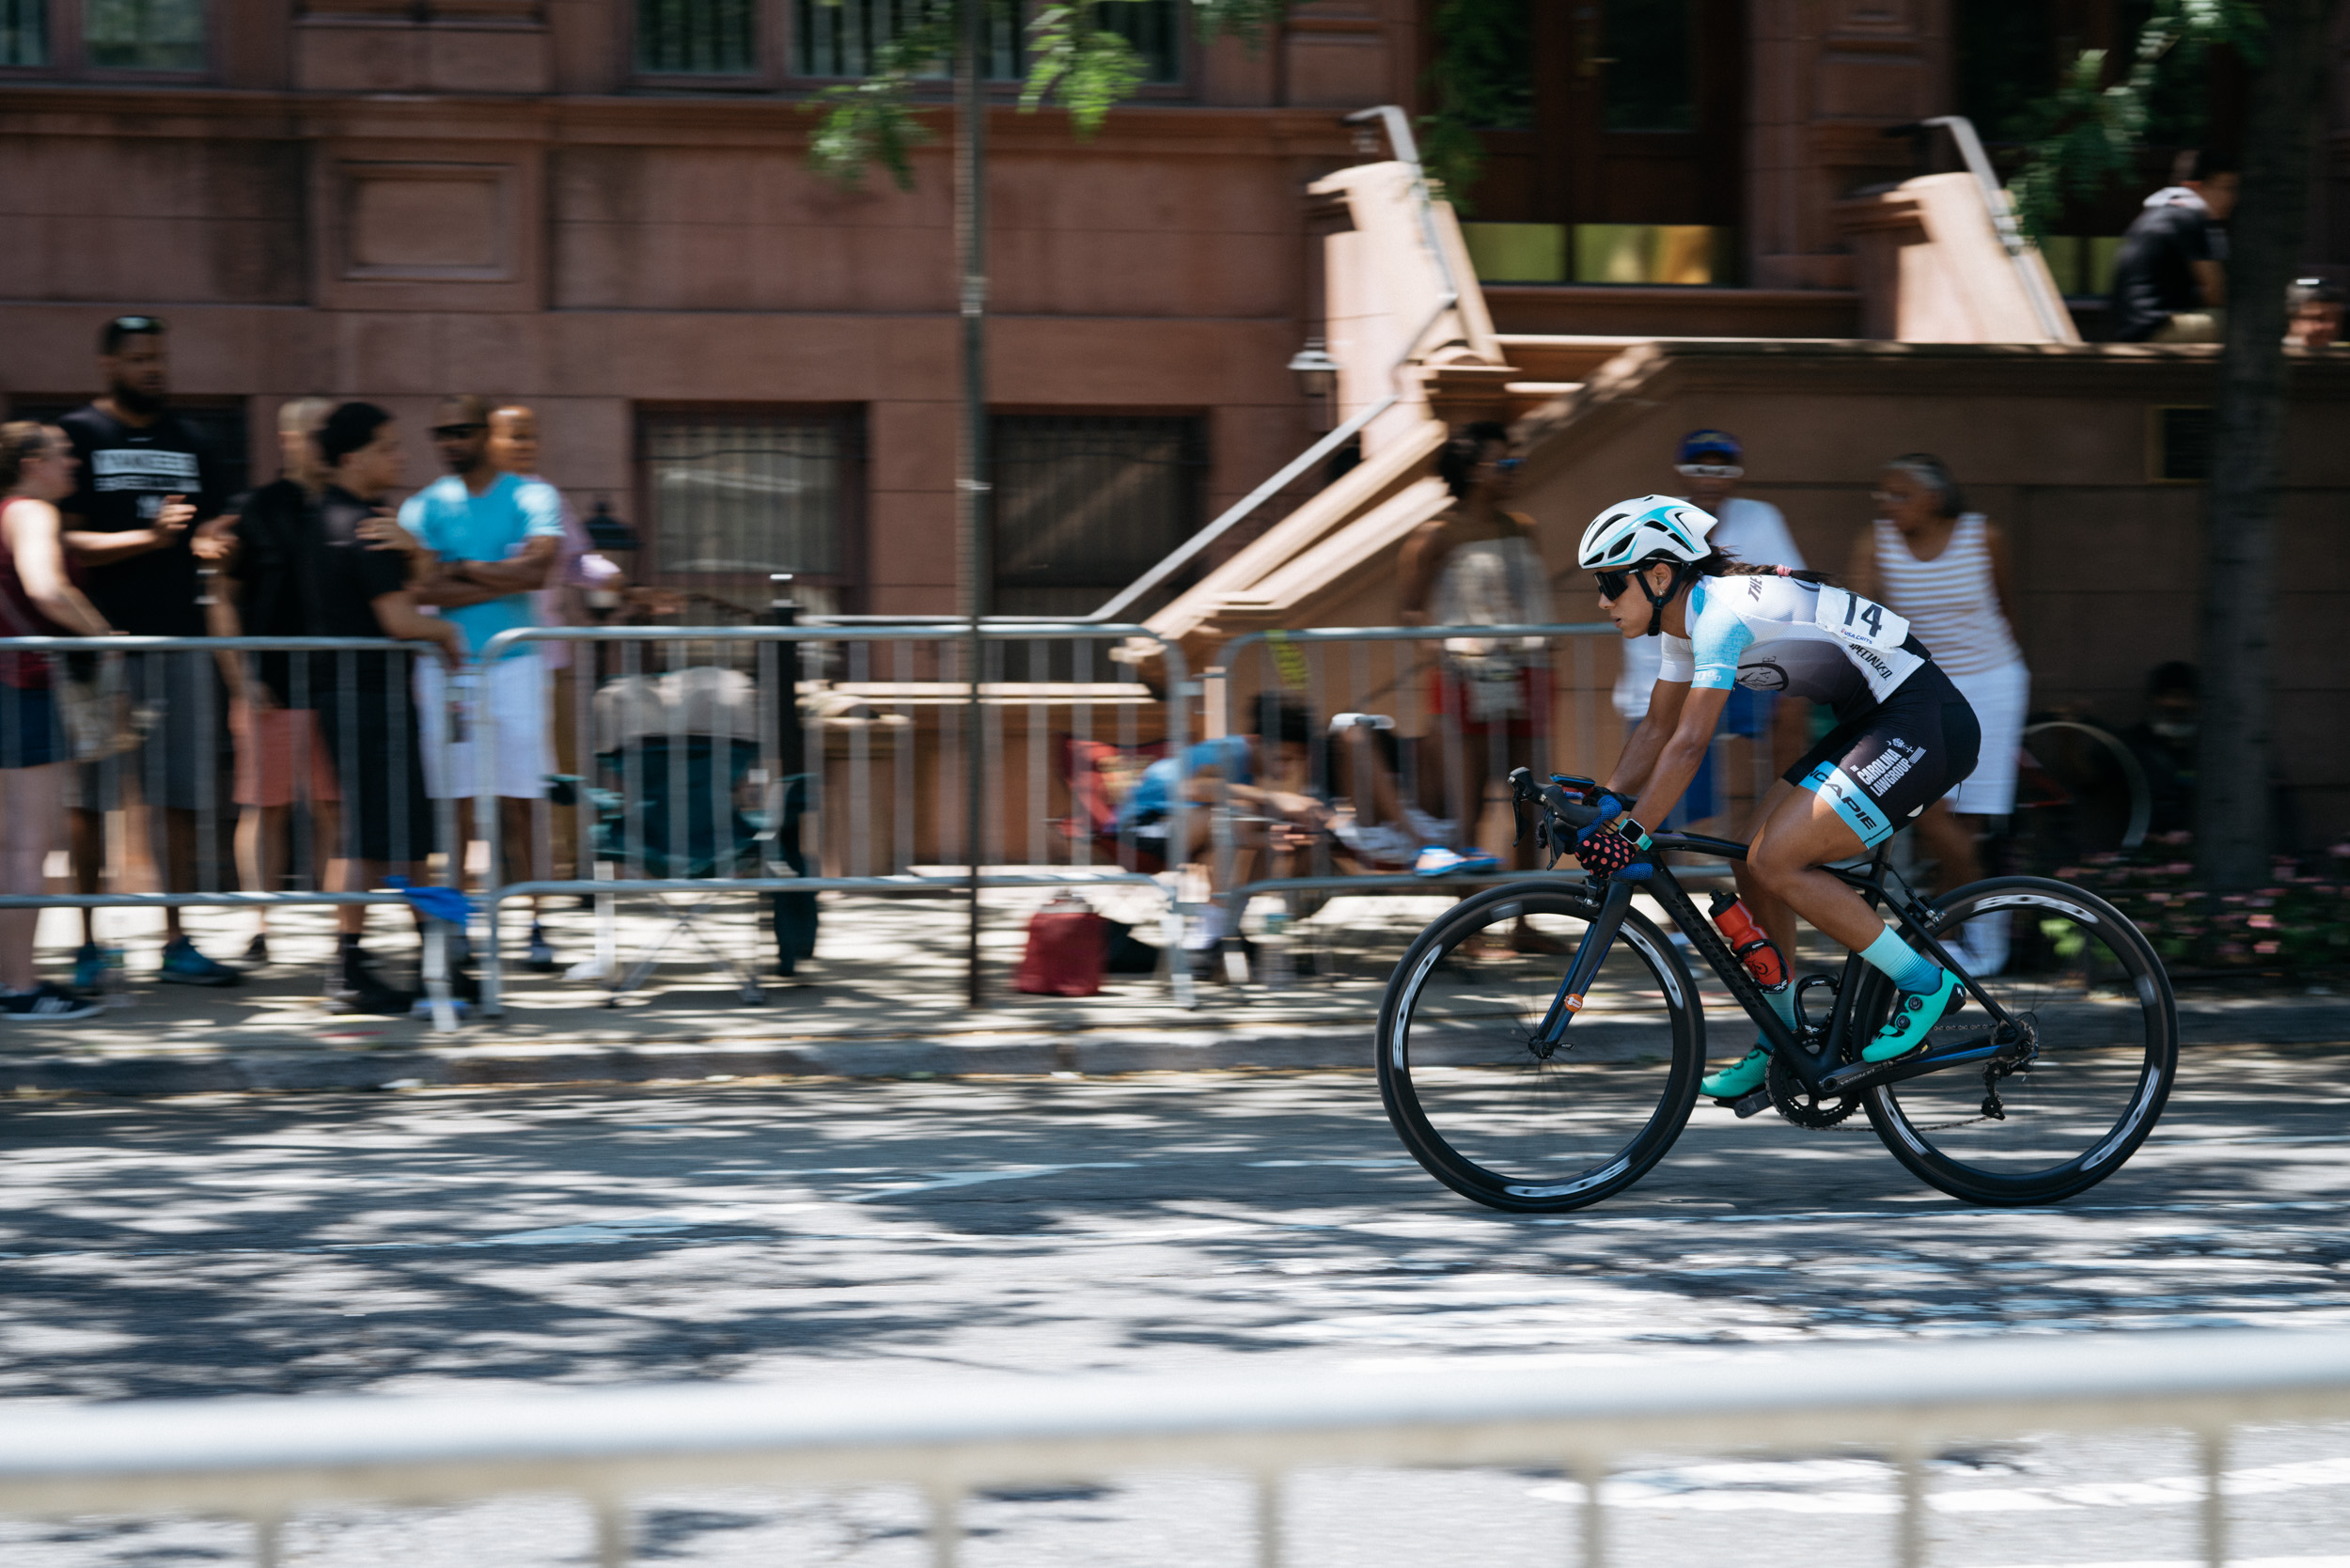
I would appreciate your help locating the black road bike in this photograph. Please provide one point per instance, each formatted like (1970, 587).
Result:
(1540, 1045)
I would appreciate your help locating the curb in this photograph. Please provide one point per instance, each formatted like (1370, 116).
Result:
(1094, 1052)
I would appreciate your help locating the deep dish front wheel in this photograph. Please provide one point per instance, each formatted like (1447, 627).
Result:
(1516, 1126)
(2103, 1030)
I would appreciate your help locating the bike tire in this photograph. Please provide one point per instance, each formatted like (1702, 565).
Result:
(2105, 1025)
(1486, 1115)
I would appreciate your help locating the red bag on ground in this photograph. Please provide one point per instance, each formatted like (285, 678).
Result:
(1068, 947)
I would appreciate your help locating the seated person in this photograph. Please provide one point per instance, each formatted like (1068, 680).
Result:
(1266, 777)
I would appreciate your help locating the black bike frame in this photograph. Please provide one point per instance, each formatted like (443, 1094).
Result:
(1818, 1071)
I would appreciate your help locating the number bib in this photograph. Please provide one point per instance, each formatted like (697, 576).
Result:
(1862, 621)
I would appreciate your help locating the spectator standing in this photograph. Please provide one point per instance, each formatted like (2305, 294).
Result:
(514, 449)
(1945, 570)
(2169, 277)
(282, 755)
(145, 479)
(37, 598)
(498, 538)
(351, 586)
(1477, 565)
(1710, 464)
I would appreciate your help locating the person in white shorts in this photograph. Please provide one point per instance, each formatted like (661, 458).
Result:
(495, 538)
(1945, 570)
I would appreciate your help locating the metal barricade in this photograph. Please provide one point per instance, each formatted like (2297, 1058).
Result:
(1884, 1411)
(180, 734)
(798, 760)
(1424, 748)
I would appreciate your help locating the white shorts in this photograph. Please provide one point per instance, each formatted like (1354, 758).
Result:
(515, 690)
(1999, 697)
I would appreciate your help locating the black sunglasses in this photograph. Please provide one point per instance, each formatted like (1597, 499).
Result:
(1612, 584)
(457, 433)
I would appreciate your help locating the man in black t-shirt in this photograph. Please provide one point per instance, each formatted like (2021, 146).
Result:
(2169, 279)
(147, 487)
(350, 588)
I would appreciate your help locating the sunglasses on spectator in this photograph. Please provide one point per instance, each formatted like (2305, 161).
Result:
(1709, 470)
(457, 433)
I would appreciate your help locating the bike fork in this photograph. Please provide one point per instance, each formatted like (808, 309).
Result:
(1597, 938)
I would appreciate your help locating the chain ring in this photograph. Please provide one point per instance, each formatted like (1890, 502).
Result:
(1798, 1104)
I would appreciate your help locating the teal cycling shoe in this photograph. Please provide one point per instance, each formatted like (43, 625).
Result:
(1741, 1079)
(1915, 1014)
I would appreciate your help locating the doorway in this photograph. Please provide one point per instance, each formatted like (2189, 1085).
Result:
(1624, 163)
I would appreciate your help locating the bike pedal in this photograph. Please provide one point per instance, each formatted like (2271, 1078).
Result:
(1751, 1104)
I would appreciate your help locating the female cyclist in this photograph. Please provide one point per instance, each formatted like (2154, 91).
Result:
(1903, 736)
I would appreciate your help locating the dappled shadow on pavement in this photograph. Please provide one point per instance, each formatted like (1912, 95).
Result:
(777, 1229)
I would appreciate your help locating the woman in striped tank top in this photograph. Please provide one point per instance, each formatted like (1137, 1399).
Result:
(1945, 570)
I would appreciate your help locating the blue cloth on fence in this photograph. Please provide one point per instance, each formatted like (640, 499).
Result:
(440, 904)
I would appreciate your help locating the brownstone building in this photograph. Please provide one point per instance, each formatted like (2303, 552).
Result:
(604, 207)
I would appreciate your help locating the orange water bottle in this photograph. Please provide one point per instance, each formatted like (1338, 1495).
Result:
(1754, 948)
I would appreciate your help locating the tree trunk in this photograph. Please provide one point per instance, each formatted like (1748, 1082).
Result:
(2234, 827)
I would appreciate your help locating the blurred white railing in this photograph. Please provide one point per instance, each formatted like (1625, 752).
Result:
(261, 1458)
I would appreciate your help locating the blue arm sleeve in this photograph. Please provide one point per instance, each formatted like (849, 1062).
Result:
(1717, 635)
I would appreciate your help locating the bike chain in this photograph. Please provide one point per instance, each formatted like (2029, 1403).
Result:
(1800, 1107)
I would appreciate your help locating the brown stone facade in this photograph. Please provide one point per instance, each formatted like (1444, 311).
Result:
(399, 198)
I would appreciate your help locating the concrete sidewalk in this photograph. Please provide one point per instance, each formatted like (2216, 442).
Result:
(884, 998)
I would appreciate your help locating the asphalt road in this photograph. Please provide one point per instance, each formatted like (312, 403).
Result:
(792, 1232)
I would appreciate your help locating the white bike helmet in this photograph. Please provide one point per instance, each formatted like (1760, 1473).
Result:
(1645, 528)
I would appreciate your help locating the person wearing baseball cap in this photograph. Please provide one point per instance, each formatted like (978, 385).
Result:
(1710, 464)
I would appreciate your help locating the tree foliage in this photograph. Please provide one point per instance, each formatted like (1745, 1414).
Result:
(1481, 77)
(1072, 59)
(2088, 132)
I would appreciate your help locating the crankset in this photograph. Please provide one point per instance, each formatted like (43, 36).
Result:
(1802, 1106)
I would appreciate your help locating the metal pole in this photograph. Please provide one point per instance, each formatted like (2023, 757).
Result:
(978, 558)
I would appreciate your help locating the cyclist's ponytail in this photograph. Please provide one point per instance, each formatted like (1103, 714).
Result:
(1721, 563)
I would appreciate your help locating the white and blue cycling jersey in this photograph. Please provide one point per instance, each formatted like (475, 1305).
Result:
(1785, 635)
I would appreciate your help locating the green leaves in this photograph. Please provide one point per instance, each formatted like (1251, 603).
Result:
(873, 120)
(1075, 55)
(1482, 79)
(1088, 68)
(2089, 133)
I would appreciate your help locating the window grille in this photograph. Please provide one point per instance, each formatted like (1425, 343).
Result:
(1084, 504)
(689, 38)
(24, 32)
(734, 496)
(842, 38)
(143, 35)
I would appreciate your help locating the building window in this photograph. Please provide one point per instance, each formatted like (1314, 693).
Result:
(1086, 503)
(734, 496)
(24, 32)
(842, 38)
(697, 37)
(143, 35)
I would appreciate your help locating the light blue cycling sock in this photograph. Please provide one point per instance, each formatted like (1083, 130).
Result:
(1902, 964)
(1783, 1003)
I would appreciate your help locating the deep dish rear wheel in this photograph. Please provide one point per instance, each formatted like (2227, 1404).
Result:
(2103, 1028)
(1519, 1126)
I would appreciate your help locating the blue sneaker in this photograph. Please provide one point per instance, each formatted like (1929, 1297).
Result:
(1915, 1014)
(1436, 860)
(89, 968)
(185, 966)
(1741, 1079)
